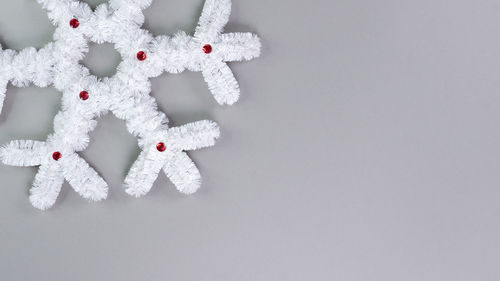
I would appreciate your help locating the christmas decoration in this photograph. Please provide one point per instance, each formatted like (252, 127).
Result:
(126, 94)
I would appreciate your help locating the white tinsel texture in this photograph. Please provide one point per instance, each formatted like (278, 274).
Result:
(126, 94)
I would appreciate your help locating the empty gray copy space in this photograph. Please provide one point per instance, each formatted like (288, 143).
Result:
(365, 146)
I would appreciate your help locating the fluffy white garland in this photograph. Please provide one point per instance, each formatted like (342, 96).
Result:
(126, 94)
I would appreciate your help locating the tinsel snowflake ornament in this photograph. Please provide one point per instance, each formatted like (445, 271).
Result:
(126, 94)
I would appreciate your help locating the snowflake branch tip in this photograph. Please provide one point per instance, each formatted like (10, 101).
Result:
(46, 187)
(214, 17)
(222, 83)
(82, 178)
(183, 173)
(239, 46)
(165, 150)
(55, 167)
(193, 136)
(221, 48)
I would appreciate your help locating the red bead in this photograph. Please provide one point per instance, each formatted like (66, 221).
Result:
(207, 49)
(161, 147)
(57, 155)
(84, 95)
(141, 56)
(74, 23)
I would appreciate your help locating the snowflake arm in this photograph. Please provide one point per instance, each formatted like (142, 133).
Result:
(182, 171)
(143, 173)
(140, 111)
(84, 180)
(214, 17)
(221, 82)
(25, 67)
(23, 153)
(5, 73)
(238, 46)
(193, 136)
(46, 187)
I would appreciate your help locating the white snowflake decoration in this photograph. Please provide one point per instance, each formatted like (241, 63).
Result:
(126, 94)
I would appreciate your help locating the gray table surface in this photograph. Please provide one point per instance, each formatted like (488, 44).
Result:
(365, 147)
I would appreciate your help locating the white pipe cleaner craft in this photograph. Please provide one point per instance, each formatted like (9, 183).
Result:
(126, 94)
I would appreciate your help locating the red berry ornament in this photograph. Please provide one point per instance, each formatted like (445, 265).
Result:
(141, 56)
(207, 49)
(74, 23)
(84, 95)
(161, 147)
(57, 155)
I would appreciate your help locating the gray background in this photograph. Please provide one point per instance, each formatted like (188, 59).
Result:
(365, 147)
